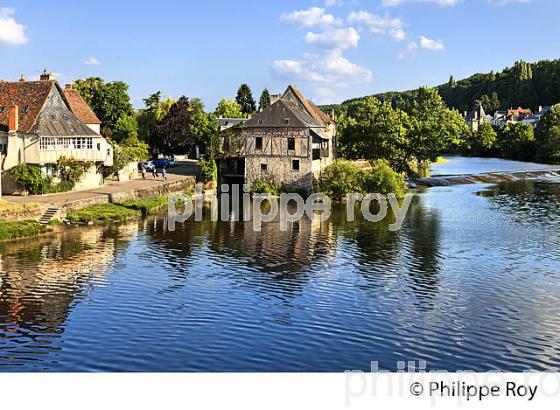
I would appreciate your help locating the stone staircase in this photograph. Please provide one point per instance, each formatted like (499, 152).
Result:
(49, 214)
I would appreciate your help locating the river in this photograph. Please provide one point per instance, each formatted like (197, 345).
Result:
(470, 282)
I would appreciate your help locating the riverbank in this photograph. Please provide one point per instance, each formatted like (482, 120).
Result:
(10, 230)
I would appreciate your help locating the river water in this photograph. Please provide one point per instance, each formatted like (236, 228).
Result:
(470, 282)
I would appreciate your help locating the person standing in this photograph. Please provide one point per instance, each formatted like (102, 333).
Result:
(164, 173)
(154, 172)
(143, 172)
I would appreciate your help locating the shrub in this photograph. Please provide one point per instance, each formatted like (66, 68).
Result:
(207, 170)
(339, 179)
(382, 179)
(263, 187)
(31, 179)
(344, 177)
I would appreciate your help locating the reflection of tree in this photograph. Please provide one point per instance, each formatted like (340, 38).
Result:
(41, 279)
(423, 239)
(526, 201)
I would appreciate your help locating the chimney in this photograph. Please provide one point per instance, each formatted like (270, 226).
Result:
(46, 76)
(21, 78)
(68, 86)
(13, 118)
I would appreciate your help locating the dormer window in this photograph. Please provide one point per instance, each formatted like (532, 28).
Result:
(2, 109)
(286, 121)
(259, 122)
(24, 109)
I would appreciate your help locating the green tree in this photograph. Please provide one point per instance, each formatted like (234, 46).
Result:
(156, 109)
(375, 131)
(228, 109)
(126, 128)
(264, 101)
(109, 101)
(433, 128)
(517, 141)
(547, 136)
(245, 99)
(483, 141)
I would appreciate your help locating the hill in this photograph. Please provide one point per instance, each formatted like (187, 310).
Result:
(524, 84)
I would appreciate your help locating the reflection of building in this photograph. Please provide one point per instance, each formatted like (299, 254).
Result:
(288, 143)
(40, 279)
(40, 123)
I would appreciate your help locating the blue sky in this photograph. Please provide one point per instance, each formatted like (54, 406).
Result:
(331, 49)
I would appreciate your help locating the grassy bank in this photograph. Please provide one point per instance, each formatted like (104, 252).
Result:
(119, 212)
(20, 229)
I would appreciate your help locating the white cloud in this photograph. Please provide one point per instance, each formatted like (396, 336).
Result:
(342, 38)
(424, 42)
(329, 68)
(504, 2)
(408, 50)
(429, 44)
(312, 17)
(11, 32)
(393, 27)
(438, 2)
(92, 61)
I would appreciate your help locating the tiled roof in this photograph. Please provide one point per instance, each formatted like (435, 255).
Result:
(311, 108)
(283, 113)
(29, 96)
(79, 107)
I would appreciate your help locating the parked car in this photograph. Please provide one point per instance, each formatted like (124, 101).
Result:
(165, 162)
(149, 166)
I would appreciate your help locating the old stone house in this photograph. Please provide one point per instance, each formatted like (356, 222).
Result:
(288, 143)
(40, 122)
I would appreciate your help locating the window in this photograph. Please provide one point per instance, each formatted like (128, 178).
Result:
(264, 167)
(258, 143)
(291, 144)
(25, 109)
(316, 153)
(295, 165)
(286, 121)
(2, 109)
(259, 122)
(98, 147)
(66, 143)
(3, 149)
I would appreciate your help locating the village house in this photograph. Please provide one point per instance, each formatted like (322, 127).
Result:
(288, 143)
(40, 123)
(475, 118)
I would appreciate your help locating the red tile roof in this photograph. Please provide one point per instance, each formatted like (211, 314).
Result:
(29, 96)
(79, 107)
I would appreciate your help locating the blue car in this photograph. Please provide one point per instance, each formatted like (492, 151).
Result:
(163, 162)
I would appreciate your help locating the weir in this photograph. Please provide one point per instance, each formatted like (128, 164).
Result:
(485, 178)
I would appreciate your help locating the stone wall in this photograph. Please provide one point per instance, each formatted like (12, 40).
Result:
(279, 171)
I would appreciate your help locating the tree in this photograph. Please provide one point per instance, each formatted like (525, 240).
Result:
(185, 126)
(245, 99)
(375, 131)
(433, 127)
(109, 101)
(228, 109)
(517, 141)
(264, 101)
(125, 129)
(156, 109)
(483, 141)
(547, 136)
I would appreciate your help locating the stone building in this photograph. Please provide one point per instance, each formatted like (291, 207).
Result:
(40, 123)
(476, 118)
(286, 144)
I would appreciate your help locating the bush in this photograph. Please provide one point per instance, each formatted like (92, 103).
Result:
(339, 179)
(31, 179)
(207, 171)
(381, 179)
(263, 187)
(344, 177)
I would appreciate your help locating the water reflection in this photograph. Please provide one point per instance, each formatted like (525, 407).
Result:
(469, 282)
